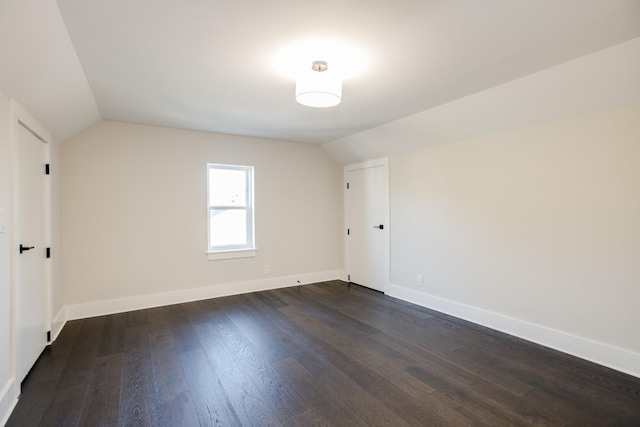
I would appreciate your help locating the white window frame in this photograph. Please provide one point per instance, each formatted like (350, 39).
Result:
(233, 251)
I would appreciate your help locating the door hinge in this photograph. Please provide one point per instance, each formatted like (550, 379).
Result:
(48, 336)
(46, 169)
(348, 231)
(48, 252)
(347, 185)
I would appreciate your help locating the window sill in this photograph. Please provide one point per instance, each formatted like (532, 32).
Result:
(240, 253)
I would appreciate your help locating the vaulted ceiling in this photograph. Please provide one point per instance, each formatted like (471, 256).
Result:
(212, 65)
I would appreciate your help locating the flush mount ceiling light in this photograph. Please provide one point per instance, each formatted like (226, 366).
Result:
(318, 87)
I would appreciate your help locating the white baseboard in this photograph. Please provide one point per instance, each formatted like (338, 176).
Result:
(120, 305)
(597, 352)
(58, 323)
(8, 401)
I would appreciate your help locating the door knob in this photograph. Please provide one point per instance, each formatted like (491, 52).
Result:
(381, 227)
(25, 248)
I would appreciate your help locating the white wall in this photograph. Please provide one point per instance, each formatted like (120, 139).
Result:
(134, 216)
(536, 231)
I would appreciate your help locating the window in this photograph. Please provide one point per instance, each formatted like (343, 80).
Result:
(230, 206)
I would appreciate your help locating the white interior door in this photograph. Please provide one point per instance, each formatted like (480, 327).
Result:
(367, 223)
(31, 275)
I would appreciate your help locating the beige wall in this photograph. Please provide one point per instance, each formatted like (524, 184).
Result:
(57, 289)
(6, 348)
(134, 211)
(540, 224)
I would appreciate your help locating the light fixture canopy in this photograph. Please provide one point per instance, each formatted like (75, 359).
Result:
(319, 87)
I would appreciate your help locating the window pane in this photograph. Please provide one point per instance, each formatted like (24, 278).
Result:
(227, 187)
(227, 227)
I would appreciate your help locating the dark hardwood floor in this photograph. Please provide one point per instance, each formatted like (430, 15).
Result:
(315, 355)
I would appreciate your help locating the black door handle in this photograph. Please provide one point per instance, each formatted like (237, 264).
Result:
(381, 227)
(25, 248)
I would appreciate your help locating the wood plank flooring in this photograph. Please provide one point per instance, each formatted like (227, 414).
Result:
(326, 354)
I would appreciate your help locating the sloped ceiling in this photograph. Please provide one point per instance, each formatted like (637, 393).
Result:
(605, 79)
(211, 65)
(39, 67)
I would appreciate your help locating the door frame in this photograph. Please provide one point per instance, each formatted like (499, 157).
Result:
(379, 162)
(21, 118)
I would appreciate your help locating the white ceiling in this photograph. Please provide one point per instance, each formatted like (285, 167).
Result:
(209, 64)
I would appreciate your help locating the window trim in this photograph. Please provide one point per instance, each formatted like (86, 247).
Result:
(233, 251)
(241, 253)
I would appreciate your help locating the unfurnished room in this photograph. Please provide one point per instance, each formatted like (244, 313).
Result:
(338, 213)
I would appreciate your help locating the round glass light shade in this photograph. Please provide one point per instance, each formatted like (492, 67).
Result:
(318, 89)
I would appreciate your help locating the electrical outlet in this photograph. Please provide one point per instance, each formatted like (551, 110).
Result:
(420, 280)
(267, 269)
